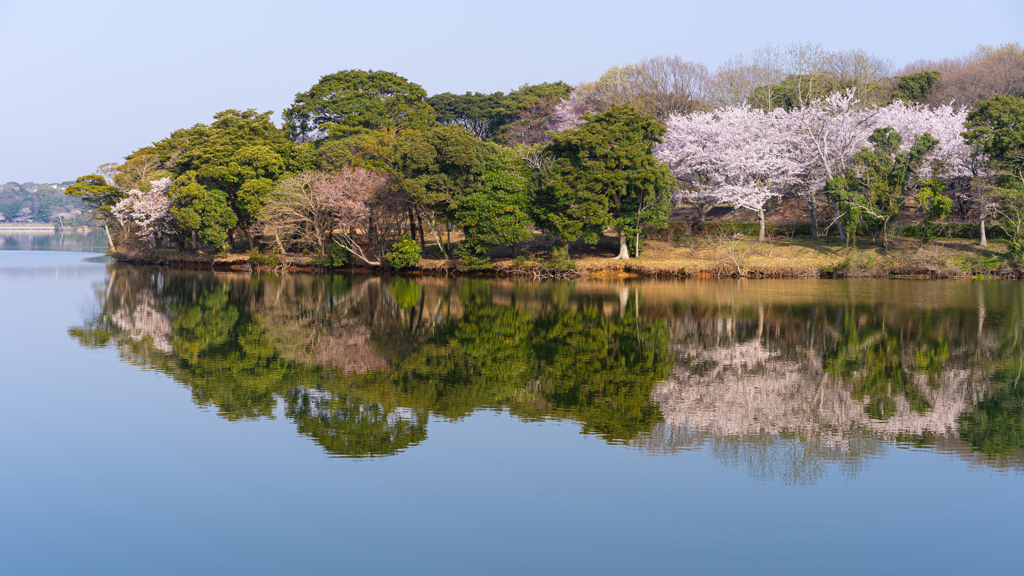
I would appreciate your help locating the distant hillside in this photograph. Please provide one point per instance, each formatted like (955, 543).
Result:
(33, 202)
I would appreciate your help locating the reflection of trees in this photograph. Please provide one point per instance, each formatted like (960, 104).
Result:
(784, 377)
(343, 426)
(351, 355)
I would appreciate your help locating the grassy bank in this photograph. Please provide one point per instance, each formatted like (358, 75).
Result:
(695, 257)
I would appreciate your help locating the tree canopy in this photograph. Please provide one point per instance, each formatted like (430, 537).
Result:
(353, 101)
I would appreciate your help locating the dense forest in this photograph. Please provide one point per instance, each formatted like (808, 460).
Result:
(31, 202)
(368, 169)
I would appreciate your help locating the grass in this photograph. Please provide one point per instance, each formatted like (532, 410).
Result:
(687, 256)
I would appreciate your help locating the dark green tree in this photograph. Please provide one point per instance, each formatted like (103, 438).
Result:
(605, 175)
(439, 167)
(476, 112)
(353, 101)
(498, 213)
(201, 214)
(916, 87)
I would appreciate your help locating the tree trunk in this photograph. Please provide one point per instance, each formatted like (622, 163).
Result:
(107, 230)
(842, 230)
(814, 220)
(623, 248)
(984, 240)
(412, 228)
(760, 228)
(419, 224)
(195, 242)
(248, 237)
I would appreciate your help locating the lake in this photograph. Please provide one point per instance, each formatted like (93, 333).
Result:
(164, 421)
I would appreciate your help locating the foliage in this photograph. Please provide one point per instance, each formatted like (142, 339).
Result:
(996, 129)
(441, 166)
(96, 193)
(258, 258)
(604, 174)
(200, 212)
(498, 213)
(874, 191)
(404, 253)
(916, 86)
(351, 102)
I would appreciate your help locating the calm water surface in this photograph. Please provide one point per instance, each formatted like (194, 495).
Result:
(160, 421)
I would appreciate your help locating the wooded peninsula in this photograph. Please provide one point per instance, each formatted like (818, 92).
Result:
(792, 161)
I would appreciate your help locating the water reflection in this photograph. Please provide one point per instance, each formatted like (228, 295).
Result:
(361, 362)
(785, 379)
(50, 239)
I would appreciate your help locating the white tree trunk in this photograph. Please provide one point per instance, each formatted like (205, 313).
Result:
(760, 228)
(623, 248)
(107, 230)
(984, 240)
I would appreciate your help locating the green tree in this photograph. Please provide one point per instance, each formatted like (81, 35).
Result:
(353, 101)
(479, 113)
(200, 213)
(874, 191)
(604, 174)
(498, 213)
(916, 87)
(439, 167)
(97, 194)
(996, 130)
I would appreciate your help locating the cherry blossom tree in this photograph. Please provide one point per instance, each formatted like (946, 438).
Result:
(736, 155)
(823, 137)
(148, 212)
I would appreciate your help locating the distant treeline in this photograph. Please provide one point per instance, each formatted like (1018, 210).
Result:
(31, 202)
(367, 168)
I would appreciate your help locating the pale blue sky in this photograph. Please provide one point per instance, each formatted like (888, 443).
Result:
(83, 83)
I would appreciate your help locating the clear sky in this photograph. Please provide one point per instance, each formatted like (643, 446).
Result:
(86, 82)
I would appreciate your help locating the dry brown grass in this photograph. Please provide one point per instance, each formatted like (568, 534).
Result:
(692, 257)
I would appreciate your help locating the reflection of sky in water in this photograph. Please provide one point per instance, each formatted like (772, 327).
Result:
(763, 391)
(48, 239)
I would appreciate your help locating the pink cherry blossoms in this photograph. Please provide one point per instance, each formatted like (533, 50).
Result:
(148, 211)
(745, 157)
(736, 155)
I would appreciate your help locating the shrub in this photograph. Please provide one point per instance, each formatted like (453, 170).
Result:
(404, 253)
(257, 258)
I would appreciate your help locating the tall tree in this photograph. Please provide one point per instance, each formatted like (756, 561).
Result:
(605, 174)
(353, 101)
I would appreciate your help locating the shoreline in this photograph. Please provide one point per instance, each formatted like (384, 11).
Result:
(747, 259)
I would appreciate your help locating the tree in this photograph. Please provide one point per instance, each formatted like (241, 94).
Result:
(498, 213)
(736, 155)
(200, 213)
(605, 174)
(439, 167)
(996, 131)
(353, 101)
(476, 112)
(98, 195)
(826, 134)
(148, 211)
(916, 86)
(881, 181)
